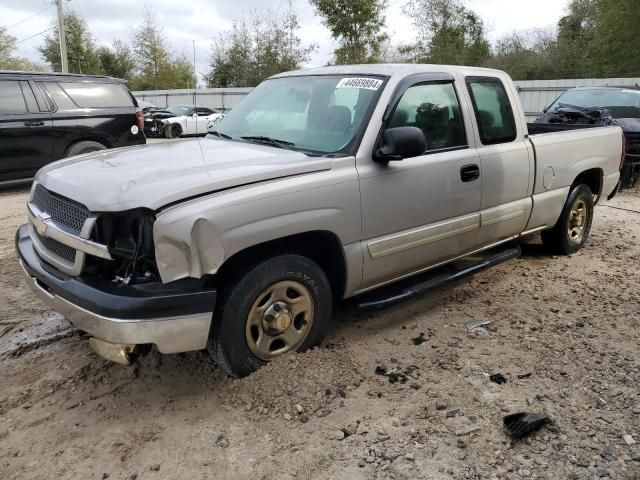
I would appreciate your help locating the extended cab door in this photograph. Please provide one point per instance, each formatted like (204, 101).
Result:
(420, 211)
(25, 131)
(506, 158)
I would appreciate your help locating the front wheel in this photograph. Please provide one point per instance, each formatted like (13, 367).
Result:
(173, 131)
(571, 231)
(278, 306)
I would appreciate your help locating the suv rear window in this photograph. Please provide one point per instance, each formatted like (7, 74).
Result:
(97, 95)
(11, 99)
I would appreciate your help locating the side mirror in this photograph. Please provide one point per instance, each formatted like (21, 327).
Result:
(400, 142)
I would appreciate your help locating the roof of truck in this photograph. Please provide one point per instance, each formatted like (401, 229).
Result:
(389, 69)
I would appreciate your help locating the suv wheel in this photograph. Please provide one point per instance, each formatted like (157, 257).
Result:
(85, 146)
(173, 131)
(571, 231)
(279, 306)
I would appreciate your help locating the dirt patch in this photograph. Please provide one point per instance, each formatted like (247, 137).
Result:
(564, 334)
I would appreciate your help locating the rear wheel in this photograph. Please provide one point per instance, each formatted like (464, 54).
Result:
(85, 146)
(571, 231)
(278, 306)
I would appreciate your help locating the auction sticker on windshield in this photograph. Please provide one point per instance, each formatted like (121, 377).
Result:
(368, 83)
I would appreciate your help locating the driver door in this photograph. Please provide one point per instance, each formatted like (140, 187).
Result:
(202, 119)
(421, 211)
(191, 123)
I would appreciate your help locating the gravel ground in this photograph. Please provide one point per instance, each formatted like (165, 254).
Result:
(564, 334)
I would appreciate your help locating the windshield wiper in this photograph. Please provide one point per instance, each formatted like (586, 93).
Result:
(221, 135)
(269, 141)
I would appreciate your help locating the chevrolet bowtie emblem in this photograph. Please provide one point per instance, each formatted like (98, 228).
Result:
(40, 223)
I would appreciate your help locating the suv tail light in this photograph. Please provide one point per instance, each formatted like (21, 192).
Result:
(624, 149)
(139, 118)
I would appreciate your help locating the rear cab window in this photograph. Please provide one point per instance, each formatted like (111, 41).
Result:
(493, 110)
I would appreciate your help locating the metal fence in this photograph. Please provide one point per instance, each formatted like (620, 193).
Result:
(535, 94)
(219, 98)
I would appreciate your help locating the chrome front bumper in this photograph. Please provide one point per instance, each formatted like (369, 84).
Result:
(171, 334)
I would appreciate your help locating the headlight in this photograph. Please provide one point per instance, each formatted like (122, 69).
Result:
(129, 236)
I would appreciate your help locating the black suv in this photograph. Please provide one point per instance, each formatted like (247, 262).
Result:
(48, 116)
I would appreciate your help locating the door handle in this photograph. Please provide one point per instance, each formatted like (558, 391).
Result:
(469, 173)
(33, 124)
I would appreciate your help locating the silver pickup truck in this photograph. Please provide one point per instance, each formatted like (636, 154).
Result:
(320, 185)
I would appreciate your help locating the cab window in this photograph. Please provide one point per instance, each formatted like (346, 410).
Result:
(434, 109)
(493, 111)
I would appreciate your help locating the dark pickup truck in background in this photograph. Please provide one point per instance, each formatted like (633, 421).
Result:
(588, 107)
(48, 116)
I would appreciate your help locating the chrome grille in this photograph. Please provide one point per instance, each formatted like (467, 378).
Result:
(62, 211)
(59, 250)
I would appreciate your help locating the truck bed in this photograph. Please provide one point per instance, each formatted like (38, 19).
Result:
(540, 128)
(563, 151)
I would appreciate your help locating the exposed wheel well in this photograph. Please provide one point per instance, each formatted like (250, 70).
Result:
(322, 247)
(591, 178)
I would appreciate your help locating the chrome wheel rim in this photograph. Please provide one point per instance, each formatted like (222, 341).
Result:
(279, 320)
(577, 221)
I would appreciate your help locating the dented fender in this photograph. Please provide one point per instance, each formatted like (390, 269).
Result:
(195, 238)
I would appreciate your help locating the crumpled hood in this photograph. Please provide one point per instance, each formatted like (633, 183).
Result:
(631, 125)
(155, 175)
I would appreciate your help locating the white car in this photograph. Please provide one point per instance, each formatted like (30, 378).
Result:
(211, 126)
(188, 120)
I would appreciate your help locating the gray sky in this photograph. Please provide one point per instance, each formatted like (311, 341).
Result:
(186, 20)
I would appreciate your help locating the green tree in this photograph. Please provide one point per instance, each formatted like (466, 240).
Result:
(81, 50)
(266, 44)
(448, 33)
(615, 43)
(576, 35)
(526, 55)
(8, 61)
(231, 58)
(156, 66)
(117, 61)
(357, 26)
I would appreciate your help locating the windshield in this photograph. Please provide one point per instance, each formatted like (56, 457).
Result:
(314, 113)
(178, 111)
(600, 98)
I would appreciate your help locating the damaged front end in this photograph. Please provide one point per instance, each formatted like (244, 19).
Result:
(129, 238)
(575, 115)
(100, 272)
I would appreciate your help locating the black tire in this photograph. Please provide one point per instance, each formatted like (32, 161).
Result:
(558, 239)
(85, 146)
(228, 344)
(629, 176)
(173, 131)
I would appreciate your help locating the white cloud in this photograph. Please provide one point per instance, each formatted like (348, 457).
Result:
(187, 20)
